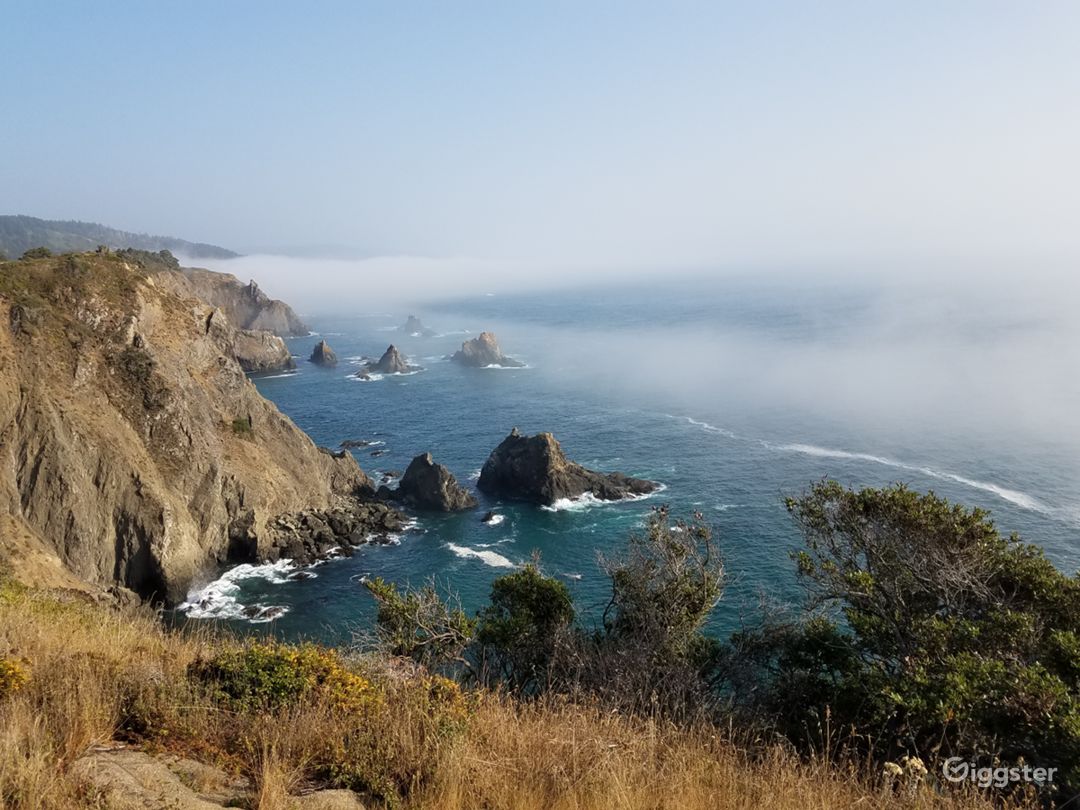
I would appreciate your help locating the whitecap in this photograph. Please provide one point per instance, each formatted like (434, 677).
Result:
(219, 599)
(587, 500)
(495, 520)
(490, 558)
(705, 426)
(275, 376)
(1021, 499)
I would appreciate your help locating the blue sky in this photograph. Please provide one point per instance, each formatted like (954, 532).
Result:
(581, 132)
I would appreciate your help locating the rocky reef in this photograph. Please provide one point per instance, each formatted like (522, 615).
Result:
(323, 355)
(316, 534)
(134, 450)
(430, 486)
(535, 469)
(483, 351)
(414, 327)
(391, 362)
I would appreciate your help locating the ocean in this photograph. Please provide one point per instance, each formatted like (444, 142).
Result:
(732, 395)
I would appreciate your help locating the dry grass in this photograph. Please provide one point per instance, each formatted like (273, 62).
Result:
(97, 675)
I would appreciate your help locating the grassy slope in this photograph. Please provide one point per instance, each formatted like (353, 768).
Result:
(97, 674)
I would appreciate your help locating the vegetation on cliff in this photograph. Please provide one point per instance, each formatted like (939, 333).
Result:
(19, 234)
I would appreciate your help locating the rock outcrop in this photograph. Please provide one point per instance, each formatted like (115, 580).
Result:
(427, 485)
(261, 352)
(315, 534)
(323, 355)
(534, 469)
(391, 362)
(483, 351)
(245, 305)
(133, 447)
(414, 327)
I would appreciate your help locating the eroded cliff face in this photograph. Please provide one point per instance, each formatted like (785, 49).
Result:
(245, 305)
(132, 445)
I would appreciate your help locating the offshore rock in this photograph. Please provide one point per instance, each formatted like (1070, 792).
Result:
(427, 485)
(534, 469)
(390, 363)
(483, 351)
(323, 355)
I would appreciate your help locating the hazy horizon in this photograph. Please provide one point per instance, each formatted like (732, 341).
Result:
(604, 135)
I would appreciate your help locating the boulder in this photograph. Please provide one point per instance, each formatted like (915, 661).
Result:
(414, 327)
(323, 355)
(427, 485)
(390, 363)
(483, 351)
(534, 469)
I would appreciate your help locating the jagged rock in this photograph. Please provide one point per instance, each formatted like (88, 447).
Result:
(312, 535)
(349, 444)
(261, 352)
(534, 469)
(390, 363)
(483, 351)
(489, 517)
(323, 355)
(413, 327)
(427, 485)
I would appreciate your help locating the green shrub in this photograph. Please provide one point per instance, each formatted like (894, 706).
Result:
(37, 253)
(242, 427)
(268, 676)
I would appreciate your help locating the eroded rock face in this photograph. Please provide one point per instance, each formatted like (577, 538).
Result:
(245, 305)
(414, 327)
(427, 485)
(261, 352)
(323, 355)
(315, 534)
(484, 351)
(390, 363)
(132, 444)
(534, 469)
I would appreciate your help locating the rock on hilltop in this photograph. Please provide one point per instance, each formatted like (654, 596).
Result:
(134, 451)
(483, 351)
(427, 485)
(534, 469)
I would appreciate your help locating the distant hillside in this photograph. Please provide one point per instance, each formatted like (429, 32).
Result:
(18, 234)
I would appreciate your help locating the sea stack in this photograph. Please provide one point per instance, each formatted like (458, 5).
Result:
(390, 363)
(323, 355)
(427, 485)
(414, 327)
(534, 469)
(484, 351)
(258, 352)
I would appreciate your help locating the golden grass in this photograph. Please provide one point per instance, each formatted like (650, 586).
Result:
(97, 674)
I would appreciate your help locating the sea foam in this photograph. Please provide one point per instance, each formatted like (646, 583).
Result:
(487, 557)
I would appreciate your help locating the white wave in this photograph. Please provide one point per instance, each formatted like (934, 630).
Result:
(219, 599)
(723, 507)
(367, 378)
(710, 428)
(498, 367)
(454, 332)
(495, 520)
(490, 558)
(275, 376)
(1021, 499)
(474, 475)
(572, 576)
(588, 500)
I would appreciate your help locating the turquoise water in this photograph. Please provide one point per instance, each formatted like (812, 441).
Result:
(683, 384)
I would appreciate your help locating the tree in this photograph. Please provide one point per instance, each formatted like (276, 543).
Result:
(926, 633)
(420, 624)
(520, 629)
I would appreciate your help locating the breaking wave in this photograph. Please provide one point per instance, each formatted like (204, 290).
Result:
(220, 598)
(490, 558)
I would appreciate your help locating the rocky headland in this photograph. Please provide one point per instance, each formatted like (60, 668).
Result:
(430, 486)
(323, 355)
(391, 362)
(134, 450)
(535, 469)
(483, 351)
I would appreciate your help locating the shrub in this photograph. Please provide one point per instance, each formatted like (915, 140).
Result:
(950, 639)
(37, 253)
(14, 675)
(420, 624)
(269, 676)
(520, 628)
(242, 427)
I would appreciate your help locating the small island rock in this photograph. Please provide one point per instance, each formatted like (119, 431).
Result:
(534, 469)
(427, 485)
(323, 355)
(390, 363)
(484, 351)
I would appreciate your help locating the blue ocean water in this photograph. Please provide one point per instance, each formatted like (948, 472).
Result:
(703, 426)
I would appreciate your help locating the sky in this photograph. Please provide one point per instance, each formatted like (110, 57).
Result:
(581, 134)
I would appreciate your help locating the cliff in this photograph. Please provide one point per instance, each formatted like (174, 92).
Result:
(245, 305)
(134, 451)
